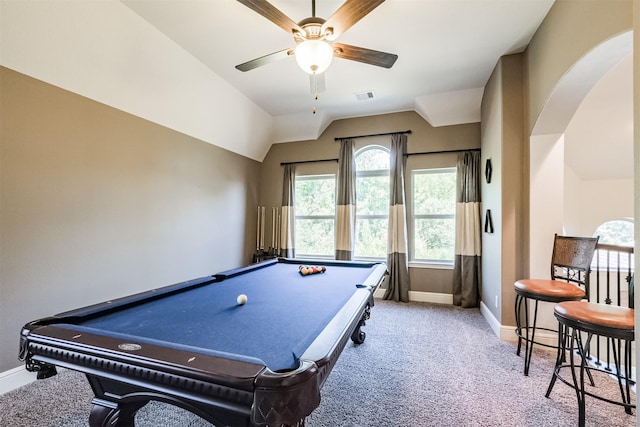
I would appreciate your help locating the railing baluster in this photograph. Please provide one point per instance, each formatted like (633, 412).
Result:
(607, 270)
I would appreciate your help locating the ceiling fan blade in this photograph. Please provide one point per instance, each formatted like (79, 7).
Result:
(361, 54)
(348, 14)
(264, 60)
(269, 11)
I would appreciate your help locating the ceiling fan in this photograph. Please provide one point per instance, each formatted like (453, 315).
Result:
(314, 37)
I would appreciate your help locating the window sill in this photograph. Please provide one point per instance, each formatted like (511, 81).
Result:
(314, 257)
(431, 265)
(370, 259)
(412, 264)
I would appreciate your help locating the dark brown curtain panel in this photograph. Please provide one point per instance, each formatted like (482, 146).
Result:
(397, 262)
(468, 251)
(287, 217)
(346, 201)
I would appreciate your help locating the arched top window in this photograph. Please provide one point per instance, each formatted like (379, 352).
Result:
(372, 158)
(616, 232)
(372, 202)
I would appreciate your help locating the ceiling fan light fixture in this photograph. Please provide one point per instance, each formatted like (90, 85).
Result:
(314, 56)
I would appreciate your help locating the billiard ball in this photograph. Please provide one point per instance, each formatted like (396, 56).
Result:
(242, 299)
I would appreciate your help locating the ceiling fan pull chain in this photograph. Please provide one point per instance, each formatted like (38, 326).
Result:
(315, 89)
(315, 85)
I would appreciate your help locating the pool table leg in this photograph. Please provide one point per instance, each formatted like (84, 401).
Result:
(110, 414)
(358, 334)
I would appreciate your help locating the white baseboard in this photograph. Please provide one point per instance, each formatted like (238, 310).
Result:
(505, 333)
(14, 378)
(433, 297)
(508, 333)
(379, 293)
(494, 324)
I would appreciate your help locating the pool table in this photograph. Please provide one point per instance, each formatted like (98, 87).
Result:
(193, 345)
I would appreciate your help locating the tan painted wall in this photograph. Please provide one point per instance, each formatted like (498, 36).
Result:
(570, 30)
(97, 204)
(492, 124)
(424, 137)
(513, 232)
(503, 142)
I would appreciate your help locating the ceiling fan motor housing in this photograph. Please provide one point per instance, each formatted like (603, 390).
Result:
(313, 30)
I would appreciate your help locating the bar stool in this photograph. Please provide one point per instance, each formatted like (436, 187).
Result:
(616, 325)
(570, 268)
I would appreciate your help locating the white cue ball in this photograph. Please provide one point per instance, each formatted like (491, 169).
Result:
(242, 299)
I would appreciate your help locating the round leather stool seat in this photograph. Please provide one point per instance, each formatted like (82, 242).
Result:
(597, 318)
(580, 321)
(549, 290)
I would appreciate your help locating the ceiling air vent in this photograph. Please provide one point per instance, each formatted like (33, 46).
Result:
(363, 96)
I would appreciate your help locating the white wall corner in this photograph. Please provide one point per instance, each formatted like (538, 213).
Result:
(301, 126)
(450, 108)
(505, 333)
(14, 378)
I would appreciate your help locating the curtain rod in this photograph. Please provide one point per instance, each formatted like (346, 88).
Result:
(407, 155)
(308, 161)
(441, 152)
(367, 136)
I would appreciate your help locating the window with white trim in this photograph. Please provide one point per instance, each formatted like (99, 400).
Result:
(372, 202)
(433, 216)
(315, 213)
(617, 232)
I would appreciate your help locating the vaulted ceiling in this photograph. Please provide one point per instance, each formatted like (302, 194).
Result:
(446, 51)
(173, 62)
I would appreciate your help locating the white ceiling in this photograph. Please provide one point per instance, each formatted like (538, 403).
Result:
(446, 51)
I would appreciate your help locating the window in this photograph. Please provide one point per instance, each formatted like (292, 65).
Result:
(433, 215)
(617, 232)
(315, 210)
(372, 202)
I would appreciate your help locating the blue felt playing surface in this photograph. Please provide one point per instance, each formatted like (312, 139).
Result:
(284, 313)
